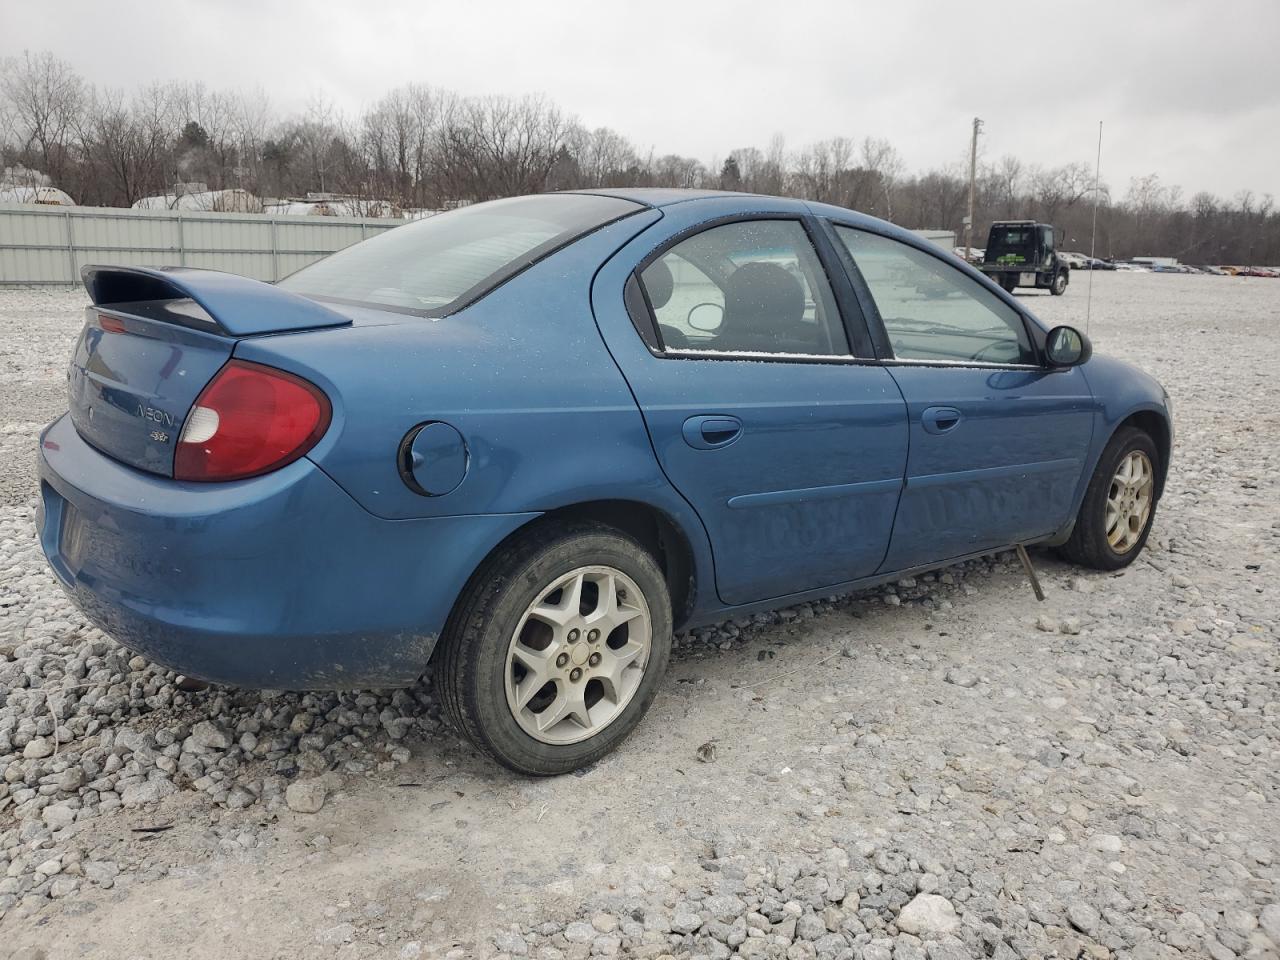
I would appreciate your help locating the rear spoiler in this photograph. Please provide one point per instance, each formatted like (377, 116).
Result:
(239, 306)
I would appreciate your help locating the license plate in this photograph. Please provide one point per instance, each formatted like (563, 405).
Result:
(1026, 279)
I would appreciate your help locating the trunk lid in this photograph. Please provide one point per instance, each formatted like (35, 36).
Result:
(151, 343)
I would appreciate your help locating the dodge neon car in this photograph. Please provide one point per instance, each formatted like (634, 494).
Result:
(520, 443)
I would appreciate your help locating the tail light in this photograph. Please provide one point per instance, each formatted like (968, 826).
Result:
(250, 419)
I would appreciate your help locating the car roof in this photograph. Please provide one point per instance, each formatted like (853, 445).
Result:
(660, 196)
(668, 196)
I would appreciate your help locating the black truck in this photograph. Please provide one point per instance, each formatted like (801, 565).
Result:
(1023, 253)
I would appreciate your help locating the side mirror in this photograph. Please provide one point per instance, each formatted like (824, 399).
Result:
(1067, 347)
(706, 317)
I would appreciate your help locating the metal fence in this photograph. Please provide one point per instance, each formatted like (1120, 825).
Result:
(49, 245)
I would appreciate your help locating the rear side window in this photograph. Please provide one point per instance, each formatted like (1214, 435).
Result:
(754, 286)
(933, 312)
(441, 264)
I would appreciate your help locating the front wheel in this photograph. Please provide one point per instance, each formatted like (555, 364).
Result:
(1119, 505)
(1059, 285)
(557, 647)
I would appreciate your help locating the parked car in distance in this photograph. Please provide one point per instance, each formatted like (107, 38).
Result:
(520, 443)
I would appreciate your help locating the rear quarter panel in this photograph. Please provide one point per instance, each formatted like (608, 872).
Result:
(522, 374)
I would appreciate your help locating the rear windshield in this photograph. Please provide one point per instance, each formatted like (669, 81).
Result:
(441, 264)
(1011, 238)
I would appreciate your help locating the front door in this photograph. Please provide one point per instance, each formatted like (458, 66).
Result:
(790, 450)
(998, 442)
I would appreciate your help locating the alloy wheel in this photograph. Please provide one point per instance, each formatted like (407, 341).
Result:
(1129, 501)
(578, 655)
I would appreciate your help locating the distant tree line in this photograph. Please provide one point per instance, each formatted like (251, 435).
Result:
(423, 147)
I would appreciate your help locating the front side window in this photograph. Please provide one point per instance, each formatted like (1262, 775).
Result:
(754, 286)
(441, 264)
(933, 312)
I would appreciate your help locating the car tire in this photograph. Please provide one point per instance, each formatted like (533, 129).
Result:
(503, 620)
(1095, 540)
(1059, 285)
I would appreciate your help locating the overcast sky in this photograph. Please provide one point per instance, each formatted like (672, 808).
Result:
(1186, 88)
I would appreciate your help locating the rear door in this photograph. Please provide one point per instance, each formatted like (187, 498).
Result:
(998, 442)
(790, 448)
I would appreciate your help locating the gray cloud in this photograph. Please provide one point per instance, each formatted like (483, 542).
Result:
(1185, 88)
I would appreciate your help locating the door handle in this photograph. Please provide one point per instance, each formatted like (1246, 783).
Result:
(940, 419)
(710, 433)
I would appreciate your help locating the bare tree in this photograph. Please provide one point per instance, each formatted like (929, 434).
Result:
(45, 98)
(884, 165)
(125, 145)
(420, 146)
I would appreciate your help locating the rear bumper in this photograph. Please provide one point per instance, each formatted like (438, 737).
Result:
(281, 581)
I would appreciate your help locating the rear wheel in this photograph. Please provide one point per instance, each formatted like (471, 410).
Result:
(1059, 285)
(557, 647)
(1119, 505)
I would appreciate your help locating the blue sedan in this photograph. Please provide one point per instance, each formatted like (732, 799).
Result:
(522, 442)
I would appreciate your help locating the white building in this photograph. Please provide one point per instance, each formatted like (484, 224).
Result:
(24, 185)
(197, 196)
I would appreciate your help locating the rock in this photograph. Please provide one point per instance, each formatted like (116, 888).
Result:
(605, 945)
(306, 796)
(210, 735)
(685, 921)
(960, 677)
(71, 780)
(928, 916)
(604, 922)
(29, 953)
(723, 907)
(239, 798)
(58, 816)
(810, 927)
(949, 949)
(1108, 843)
(1046, 623)
(579, 932)
(149, 791)
(1240, 922)
(38, 748)
(336, 935)
(512, 942)
(50, 868)
(101, 872)
(1084, 918)
(63, 886)
(1269, 920)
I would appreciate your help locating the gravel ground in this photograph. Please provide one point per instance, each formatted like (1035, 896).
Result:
(940, 769)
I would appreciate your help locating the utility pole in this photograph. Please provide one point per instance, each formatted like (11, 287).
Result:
(973, 182)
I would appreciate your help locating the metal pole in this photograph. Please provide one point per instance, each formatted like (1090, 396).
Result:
(973, 180)
(275, 253)
(182, 242)
(71, 248)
